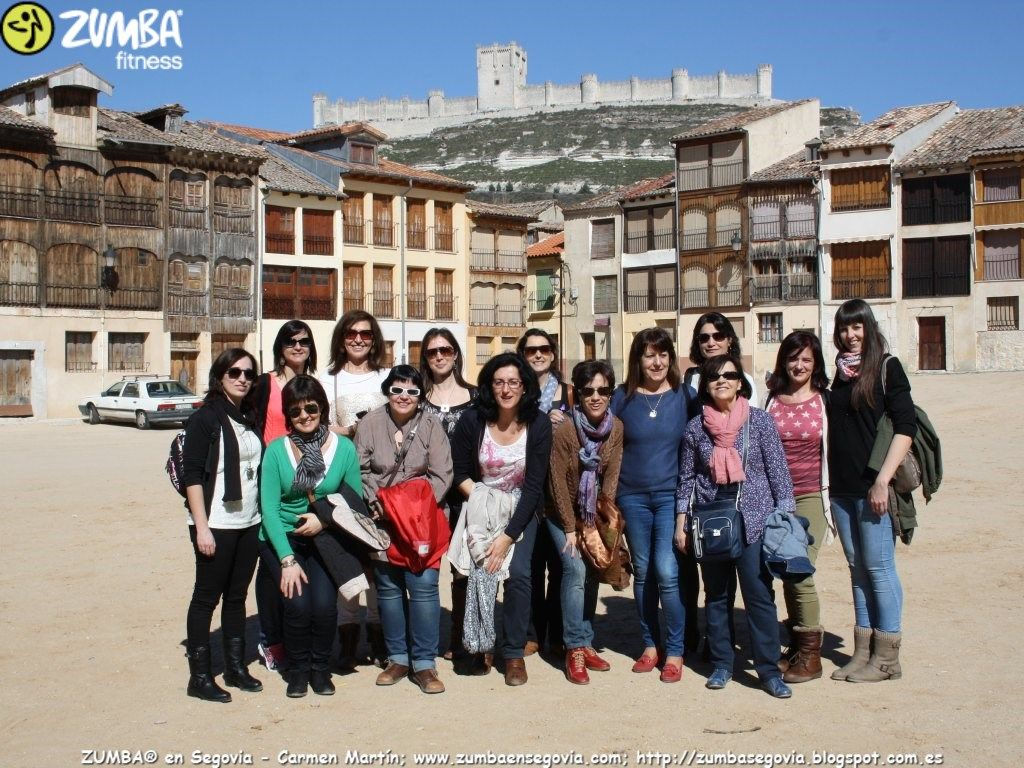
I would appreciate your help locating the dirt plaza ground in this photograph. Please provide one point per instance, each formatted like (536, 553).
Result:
(97, 571)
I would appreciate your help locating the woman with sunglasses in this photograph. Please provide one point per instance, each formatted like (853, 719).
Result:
(732, 453)
(713, 335)
(353, 384)
(447, 396)
(586, 454)
(409, 604)
(505, 443)
(654, 406)
(294, 353)
(310, 463)
(796, 401)
(540, 351)
(221, 461)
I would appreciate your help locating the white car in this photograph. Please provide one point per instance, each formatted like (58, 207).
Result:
(143, 399)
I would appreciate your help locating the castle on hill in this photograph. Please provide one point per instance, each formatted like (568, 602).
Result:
(502, 91)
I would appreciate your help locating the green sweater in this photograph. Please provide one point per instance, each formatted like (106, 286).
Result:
(281, 505)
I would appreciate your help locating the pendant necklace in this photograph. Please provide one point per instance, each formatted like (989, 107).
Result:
(654, 409)
(250, 473)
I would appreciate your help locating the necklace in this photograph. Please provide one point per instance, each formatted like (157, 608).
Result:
(448, 395)
(654, 409)
(250, 471)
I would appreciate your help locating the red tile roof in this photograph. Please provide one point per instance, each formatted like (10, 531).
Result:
(883, 130)
(549, 246)
(734, 123)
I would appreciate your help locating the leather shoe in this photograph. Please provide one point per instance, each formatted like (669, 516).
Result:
(320, 682)
(775, 687)
(392, 674)
(531, 647)
(646, 663)
(515, 672)
(576, 667)
(670, 673)
(595, 662)
(298, 684)
(718, 679)
(427, 680)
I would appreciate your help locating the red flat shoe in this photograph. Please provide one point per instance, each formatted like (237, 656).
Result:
(595, 662)
(670, 673)
(645, 663)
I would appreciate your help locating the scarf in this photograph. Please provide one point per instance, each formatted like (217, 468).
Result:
(726, 464)
(547, 395)
(226, 413)
(311, 466)
(848, 365)
(591, 439)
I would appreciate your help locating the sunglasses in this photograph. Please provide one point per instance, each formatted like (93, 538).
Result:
(235, 372)
(311, 409)
(704, 338)
(304, 342)
(411, 391)
(363, 335)
(544, 349)
(727, 375)
(440, 352)
(591, 391)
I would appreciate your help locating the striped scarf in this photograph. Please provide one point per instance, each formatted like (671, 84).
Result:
(311, 467)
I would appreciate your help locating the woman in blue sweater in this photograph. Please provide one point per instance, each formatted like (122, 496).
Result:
(653, 407)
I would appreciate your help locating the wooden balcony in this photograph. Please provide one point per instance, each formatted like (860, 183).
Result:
(498, 261)
(122, 211)
(354, 232)
(73, 296)
(318, 245)
(510, 316)
(990, 214)
(232, 220)
(186, 217)
(444, 239)
(19, 294)
(72, 206)
(416, 237)
(187, 303)
(651, 301)
(656, 240)
(861, 288)
(147, 299)
(231, 304)
(280, 242)
(19, 202)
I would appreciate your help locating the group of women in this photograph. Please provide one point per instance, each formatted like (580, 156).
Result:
(525, 467)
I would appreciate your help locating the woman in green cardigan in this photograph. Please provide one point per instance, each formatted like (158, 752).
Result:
(311, 462)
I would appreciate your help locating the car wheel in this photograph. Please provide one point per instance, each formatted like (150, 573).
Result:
(141, 420)
(94, 415)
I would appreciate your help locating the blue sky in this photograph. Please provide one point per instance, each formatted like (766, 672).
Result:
(259, 62)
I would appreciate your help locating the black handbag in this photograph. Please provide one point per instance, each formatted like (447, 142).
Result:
(717, 526)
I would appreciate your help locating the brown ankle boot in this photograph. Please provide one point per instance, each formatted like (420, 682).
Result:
(861, 653)
(805, 664)
(884, 663)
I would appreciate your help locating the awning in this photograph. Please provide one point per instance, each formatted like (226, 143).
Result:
(857, 239)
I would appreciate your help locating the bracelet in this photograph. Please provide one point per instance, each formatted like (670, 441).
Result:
(289, 563)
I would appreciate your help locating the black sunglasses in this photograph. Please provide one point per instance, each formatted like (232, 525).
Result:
(311, 409)
(602, 391)
(704, 338)
(235, 372)
(727, 375)
(305, 341)
(544, 349)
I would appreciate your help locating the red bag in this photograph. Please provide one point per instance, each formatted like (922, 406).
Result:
(418, 527)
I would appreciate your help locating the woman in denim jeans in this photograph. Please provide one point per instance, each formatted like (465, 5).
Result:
(653, 407)
(859, 496)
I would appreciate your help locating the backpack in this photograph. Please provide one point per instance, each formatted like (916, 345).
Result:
(922, 466)
(175, 464)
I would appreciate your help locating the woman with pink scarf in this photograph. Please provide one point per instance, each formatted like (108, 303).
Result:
(732, 452)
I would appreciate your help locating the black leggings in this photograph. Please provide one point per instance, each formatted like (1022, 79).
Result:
(226, 574)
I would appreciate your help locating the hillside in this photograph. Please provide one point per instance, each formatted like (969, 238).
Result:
(561, 152)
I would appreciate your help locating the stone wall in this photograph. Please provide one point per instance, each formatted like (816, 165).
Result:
(1001, 351)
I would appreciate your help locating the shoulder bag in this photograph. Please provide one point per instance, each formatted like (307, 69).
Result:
(717, 526)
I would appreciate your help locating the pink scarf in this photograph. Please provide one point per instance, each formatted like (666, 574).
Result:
(848, 365)
(726, 464)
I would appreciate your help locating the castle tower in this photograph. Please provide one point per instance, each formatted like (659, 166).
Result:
(764, 81)
(500, 76)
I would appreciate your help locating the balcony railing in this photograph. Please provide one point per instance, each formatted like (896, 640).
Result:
(354, 232)
(128, 366)
(656, 240)
(72, 206)
(80, 296)
(131, 211)
(416, 306)
(316, 309)
(542, 303)
(318, 245)
(354, 300)
(416, 237)
(237, 221)
(802, 286)
(135, 298)
(766, 288)
(444, 239)
(498, 261)
(936, 212)
(501, 315)
(19, 294)
(186, 217)
(726, 174)
(278, 307)
(694, 298)
(695, 239)
(766, 230)
(280, 242)
(861, 288)
(693, 178)
(188, 303)
(227, 305)
(797, 227)
(383, 233)
(646, 301)
(443, 307)
(724, 235)
(20, 202)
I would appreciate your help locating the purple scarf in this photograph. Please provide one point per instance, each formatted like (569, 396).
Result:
(591, 439)
(848, 365)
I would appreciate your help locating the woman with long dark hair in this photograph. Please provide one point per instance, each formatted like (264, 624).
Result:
(714, 335)
(504, 442)
(448, 396)
(858, 495)
(797, 403)
(220, 462)
(653, 407)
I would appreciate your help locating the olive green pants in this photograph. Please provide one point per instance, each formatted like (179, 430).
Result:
(802, 604)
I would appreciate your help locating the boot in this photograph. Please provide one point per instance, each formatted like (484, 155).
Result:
(201, 684)
(791, 646)
(455, 649)
(378, 649)
(298, 683)
(884, 663)
(348, 643)
(861, 653)
(805, 664)
(236, 673)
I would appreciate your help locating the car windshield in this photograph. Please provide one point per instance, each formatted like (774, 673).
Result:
(166, 389)
(114, 389)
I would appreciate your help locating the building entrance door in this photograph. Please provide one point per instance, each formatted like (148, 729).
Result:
(15, 382)
(183, 369)
(931, 334)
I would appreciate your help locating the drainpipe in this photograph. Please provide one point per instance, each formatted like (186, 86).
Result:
(260, 248)
(818, 190)
(677, 225)
(401, 266)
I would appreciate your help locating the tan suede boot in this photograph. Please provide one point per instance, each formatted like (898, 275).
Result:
(861, 653)
(805, 664)
(884, 663)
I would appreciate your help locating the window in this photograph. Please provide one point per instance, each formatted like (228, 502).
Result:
(855, 189)
(765, 220)
(232, 205)
(726, 163)
(936, 201)
(545, 290)
(861, 270)
(280, 226)
(692, 168)
(125, 352)
(508, 343)
(769, 328)
(695, 229)
(651, 290)
(727, 225)
(1000, 184)
(353, 228)
(937, 267)
(1003, 313)
(78, 351)
(383, 293)
(1001, 249)
(71, 101)
(383, 222)
(186, 199)
(360, 153)
(483, 349)
(416, 293)
(317, 232)
(444, 235)
(130, 390)
(649, 229)
(195, 194)
(444, 299)
(602, 239)
(30, 103)
(300, 293)
(416, 223)
(352, 286)
(800, 218)
(606, 295)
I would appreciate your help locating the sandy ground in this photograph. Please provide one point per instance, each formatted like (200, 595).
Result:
(97, 570)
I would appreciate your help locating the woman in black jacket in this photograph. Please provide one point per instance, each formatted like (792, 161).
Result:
(505, 442)
(220, 463)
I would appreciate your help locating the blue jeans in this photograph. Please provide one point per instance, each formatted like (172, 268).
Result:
(401, 594)
(515, 608)
(759, 602)
(579, 593)
(869, 543)
(650, 531)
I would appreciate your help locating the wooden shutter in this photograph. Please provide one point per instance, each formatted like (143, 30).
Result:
(125, 352)
(693, 167)
(416, 293)
(444, 299)
(317, 232)
(602, 243)
(606, 295)
(1001, 249)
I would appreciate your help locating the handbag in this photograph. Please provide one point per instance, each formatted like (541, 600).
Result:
(717, 525)
(908, 475)
(419, 530)
(599, 543)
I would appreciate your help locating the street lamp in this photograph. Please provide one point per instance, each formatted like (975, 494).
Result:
(109, 278)
(556, 286)
(736, 242)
